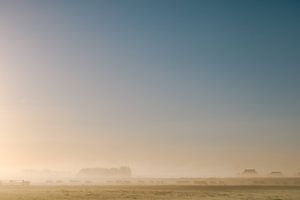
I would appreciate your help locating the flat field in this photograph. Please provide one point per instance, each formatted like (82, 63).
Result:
(149, 192)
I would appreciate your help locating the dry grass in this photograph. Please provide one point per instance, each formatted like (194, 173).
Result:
(149, 193)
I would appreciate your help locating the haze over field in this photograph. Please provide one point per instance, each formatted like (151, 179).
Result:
(170, 88)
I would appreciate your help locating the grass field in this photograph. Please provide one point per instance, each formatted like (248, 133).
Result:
(149, 192)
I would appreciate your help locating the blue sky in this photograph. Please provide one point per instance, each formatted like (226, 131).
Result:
(213, 86)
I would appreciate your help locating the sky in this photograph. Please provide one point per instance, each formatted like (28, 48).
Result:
(171, 88)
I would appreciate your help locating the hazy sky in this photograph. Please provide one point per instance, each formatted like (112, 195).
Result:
(169, 88)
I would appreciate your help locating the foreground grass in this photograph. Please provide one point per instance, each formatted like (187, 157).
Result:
(149, 192)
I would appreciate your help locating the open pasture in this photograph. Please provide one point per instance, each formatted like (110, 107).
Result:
(150, 192)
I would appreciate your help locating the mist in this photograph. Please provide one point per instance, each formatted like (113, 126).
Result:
(166, 88)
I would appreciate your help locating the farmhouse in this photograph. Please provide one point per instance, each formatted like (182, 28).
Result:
(249, 173)
(276, 174)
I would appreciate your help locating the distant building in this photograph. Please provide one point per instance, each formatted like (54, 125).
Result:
(96, 173)
(249, 173)
(276, 174)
